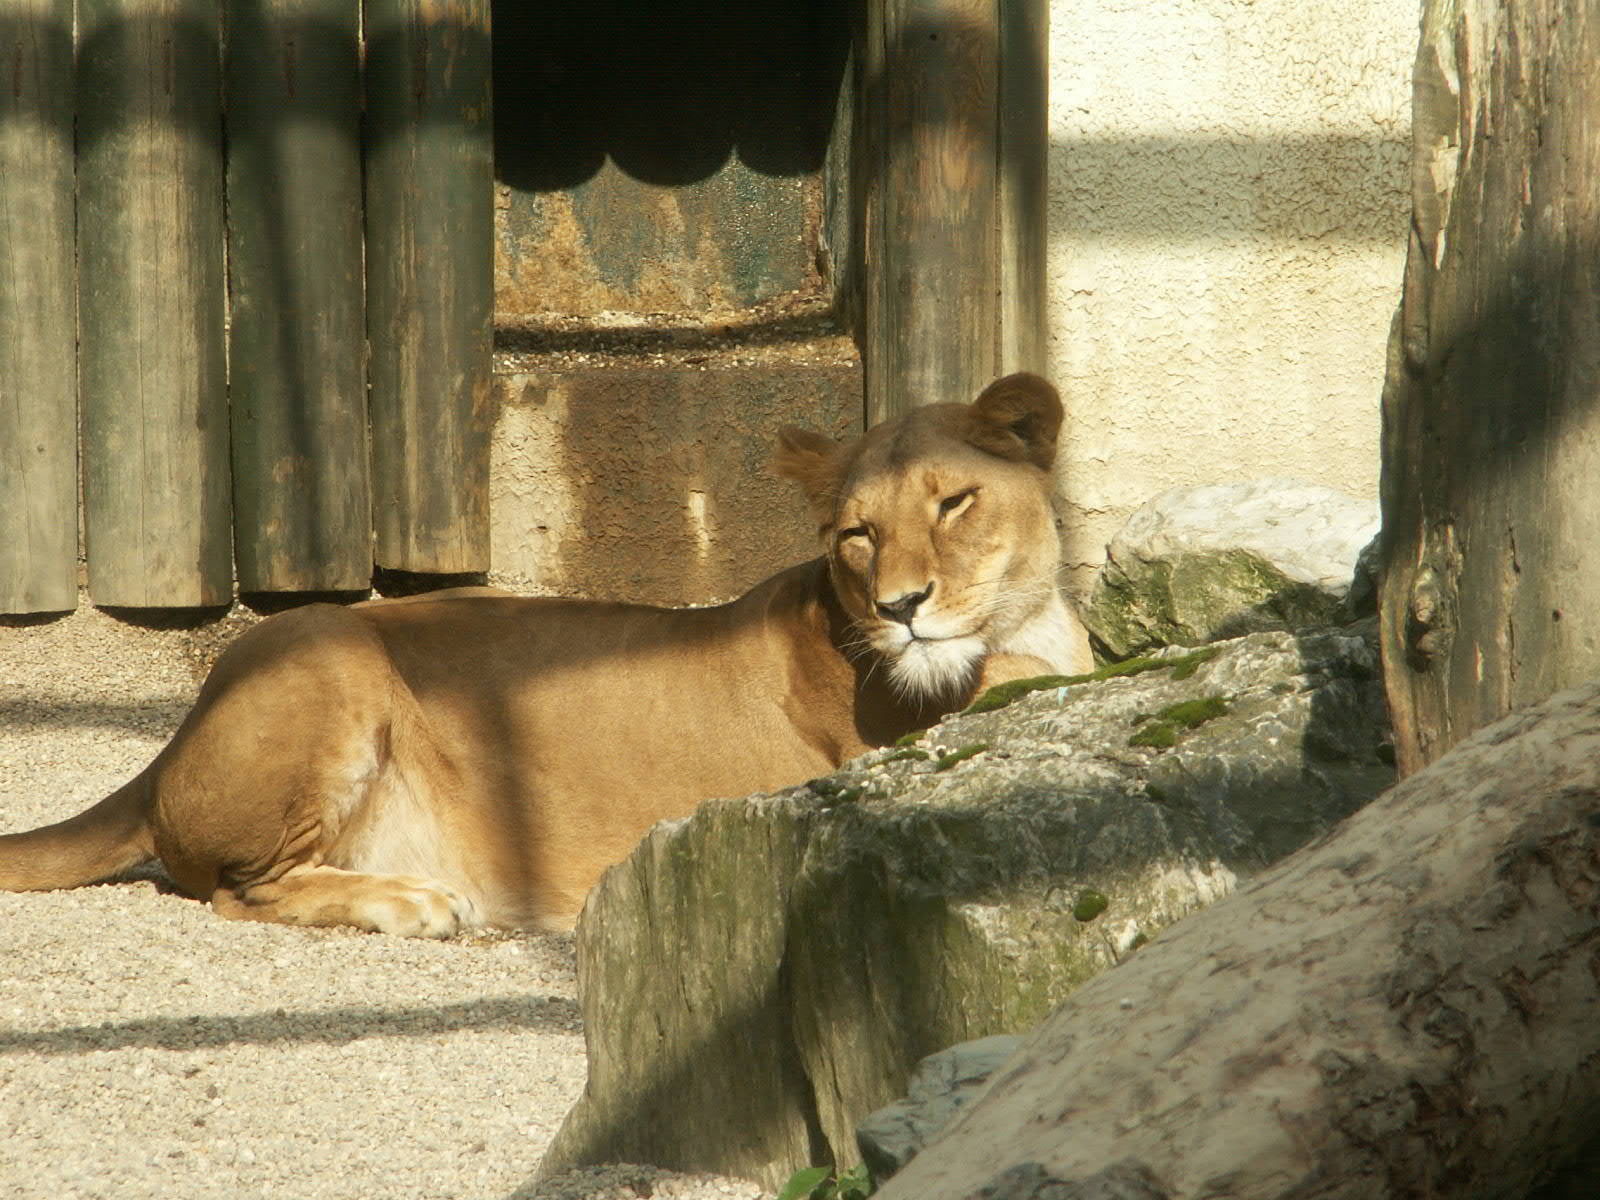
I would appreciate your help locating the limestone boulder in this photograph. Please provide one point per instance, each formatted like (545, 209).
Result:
(759, 977)
(1202, 563)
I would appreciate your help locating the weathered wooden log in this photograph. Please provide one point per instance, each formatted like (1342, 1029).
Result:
(1405, 1008)
(38, 321)
(430, 280)
(1492, 401)
(151, 303)
(931, 246)
(297, 378)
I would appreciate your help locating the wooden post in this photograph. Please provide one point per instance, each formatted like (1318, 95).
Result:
(1024, 67)
(932, 252)
(430, 280)
(1490, 593)
(150, 296)
(38, 334)
(297, 361)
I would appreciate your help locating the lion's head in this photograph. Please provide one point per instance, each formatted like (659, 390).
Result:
(938, 528)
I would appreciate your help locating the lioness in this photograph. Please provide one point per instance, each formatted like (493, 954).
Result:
(423, 765)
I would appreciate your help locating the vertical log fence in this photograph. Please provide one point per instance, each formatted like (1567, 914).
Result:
(303, 515)
(38, 413)
(430, 280)
(255, 299)
(151, 304)
(213, 336)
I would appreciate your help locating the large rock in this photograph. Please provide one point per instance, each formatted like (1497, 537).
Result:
(1405, 1008)
(759, 977)
(1201, 563)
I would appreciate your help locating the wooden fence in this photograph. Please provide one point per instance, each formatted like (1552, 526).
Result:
(246, 274)
(209, 210)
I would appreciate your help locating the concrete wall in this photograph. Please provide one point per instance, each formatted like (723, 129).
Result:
(1228, 214)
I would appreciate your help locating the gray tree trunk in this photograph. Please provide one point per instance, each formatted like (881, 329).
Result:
(1491, 470)
(1406, 1008)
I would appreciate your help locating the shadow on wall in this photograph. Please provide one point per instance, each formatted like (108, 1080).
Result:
(1179, 190)
(668, 91)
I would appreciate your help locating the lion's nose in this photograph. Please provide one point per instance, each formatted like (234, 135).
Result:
(904, 606)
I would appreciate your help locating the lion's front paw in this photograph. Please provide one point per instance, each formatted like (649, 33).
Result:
(414, 907)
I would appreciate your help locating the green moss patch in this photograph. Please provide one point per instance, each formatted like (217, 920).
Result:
(1161, 731)
(1182, 666)
(946, 761)
(835, 793)
(1090, 904)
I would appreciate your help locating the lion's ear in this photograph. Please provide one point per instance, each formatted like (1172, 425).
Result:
(812, 461)
(1017, 418)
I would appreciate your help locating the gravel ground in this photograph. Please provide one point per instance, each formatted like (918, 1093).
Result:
(148, 1048)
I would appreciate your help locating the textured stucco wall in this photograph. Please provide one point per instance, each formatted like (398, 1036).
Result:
(1228, 211)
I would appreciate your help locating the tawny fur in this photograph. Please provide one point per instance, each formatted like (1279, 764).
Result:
(424, 765)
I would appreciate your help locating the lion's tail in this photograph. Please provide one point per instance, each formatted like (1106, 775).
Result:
(100, 842)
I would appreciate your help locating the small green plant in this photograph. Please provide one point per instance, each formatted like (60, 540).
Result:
(909, 754)
(820, 1183)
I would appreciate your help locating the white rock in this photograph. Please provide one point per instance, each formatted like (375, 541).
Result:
(1312, 534)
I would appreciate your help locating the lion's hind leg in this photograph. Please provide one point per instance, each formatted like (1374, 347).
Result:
(323, 895)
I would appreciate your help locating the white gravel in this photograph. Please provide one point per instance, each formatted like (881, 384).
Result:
(149, 1048)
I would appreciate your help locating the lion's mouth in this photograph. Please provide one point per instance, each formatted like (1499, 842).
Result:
(925, 667)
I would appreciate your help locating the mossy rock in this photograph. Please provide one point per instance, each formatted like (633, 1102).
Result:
(1194, 599)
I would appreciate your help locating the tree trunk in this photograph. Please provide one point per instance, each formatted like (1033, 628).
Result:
(1406, 1008)
(1491, 427)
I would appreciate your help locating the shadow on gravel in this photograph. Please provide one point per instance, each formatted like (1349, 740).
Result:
(28, 716)
(330, 1025)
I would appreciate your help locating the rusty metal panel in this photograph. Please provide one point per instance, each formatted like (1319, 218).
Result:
(616, 244)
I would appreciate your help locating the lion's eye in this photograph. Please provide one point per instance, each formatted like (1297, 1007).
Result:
(854, 532)
(951, 505)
